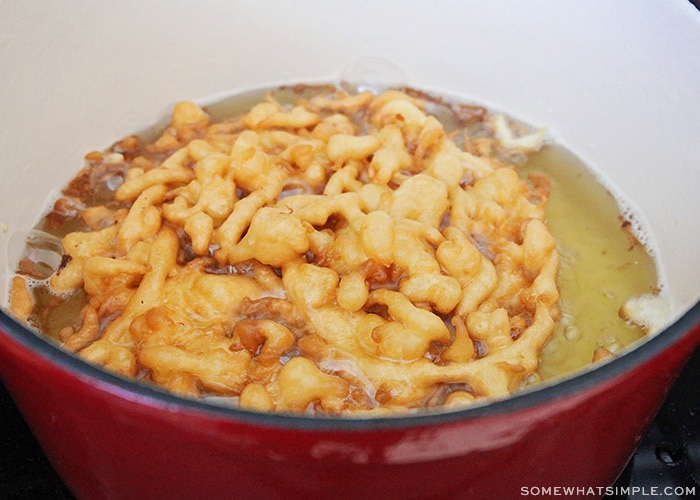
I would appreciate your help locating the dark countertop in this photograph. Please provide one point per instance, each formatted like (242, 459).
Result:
(668, 456)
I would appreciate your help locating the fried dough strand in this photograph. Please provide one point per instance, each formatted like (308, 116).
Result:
(341, 255)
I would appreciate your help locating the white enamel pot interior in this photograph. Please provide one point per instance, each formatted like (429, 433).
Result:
(615, 82)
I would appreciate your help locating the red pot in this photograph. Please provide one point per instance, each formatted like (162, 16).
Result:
(615, 82)
(109, 438)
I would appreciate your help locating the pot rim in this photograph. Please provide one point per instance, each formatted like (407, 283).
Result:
(541, 394)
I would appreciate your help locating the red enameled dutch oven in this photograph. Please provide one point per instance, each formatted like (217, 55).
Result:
(615, 82)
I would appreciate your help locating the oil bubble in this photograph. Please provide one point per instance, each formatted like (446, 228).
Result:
(372, 73)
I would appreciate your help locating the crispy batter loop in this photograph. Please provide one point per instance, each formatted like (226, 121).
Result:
(339, 255)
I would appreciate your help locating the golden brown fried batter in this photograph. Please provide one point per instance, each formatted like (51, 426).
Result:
(338, 255)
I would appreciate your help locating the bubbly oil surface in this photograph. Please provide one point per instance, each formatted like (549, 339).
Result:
(602, 264)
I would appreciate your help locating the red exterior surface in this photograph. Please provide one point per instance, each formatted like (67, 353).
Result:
(108, 442)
